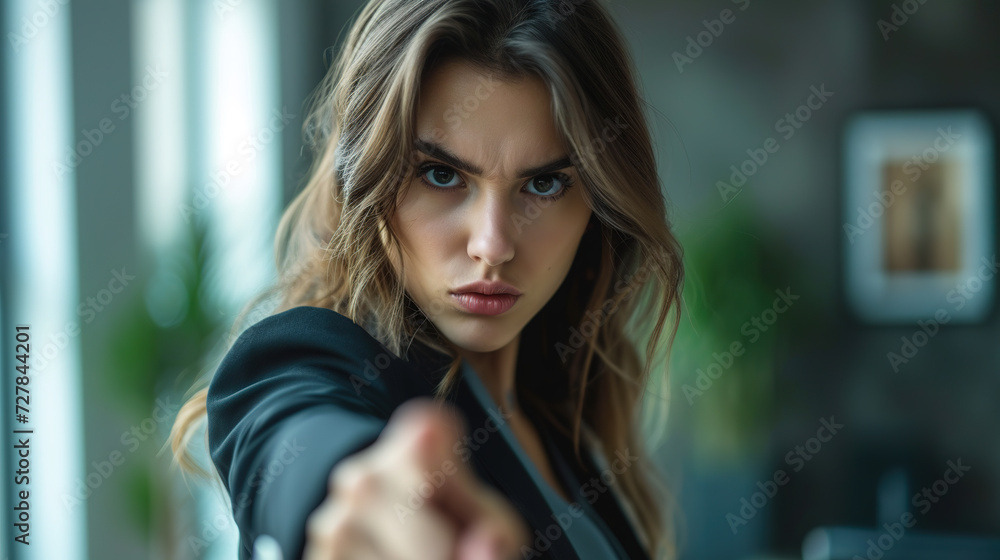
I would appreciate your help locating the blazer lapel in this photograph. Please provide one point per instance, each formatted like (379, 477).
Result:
(497, 462)
(606, 504)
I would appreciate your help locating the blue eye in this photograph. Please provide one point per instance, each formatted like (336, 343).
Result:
(549, 184)
(434, 173)
(443, 178)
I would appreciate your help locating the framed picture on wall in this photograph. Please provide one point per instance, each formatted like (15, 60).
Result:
(918, 216)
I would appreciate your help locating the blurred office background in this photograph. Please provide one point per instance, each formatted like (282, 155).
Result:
(150, 146)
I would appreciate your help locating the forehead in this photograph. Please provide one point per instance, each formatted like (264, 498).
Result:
(500, 125)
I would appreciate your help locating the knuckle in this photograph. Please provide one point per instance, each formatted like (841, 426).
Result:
(341, 471)
(426, 435)
(355, 481)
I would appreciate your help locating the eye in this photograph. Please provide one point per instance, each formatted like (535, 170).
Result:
(435, 175)
(548, 186)
(443, 178)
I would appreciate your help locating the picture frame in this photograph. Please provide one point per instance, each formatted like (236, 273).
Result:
(918, 216)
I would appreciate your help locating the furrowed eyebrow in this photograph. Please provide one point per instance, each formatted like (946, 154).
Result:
(442, 153)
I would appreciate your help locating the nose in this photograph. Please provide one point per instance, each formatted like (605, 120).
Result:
(489, 224)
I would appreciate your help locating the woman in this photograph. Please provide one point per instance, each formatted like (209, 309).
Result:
(482, 221)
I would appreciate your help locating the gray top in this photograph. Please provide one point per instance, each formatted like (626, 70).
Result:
(588, 534)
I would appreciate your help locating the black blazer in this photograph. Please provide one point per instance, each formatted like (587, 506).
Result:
(304, 388)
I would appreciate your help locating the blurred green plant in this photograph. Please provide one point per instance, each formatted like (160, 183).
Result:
(734, 270)
(159, 344)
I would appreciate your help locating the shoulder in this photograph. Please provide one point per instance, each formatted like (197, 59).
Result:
(312, 353)
(305, 329)
(307, 380)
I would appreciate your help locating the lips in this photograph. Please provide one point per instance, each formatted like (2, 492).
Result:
(482, 304)
(488, 287)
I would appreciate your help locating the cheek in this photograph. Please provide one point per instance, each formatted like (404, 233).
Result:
(424, 235)
(561, 233)
(548, 249)
(423, 240)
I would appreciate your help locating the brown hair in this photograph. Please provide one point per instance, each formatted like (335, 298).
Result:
(333, 239)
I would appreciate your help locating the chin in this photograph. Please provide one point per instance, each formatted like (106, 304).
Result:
(478, 338)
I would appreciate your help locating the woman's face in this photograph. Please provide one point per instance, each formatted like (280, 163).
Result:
(484, 204)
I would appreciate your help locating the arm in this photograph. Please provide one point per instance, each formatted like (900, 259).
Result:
(319, 453)
(283, 409)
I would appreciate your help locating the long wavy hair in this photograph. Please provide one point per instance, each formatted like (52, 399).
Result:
(578, 366)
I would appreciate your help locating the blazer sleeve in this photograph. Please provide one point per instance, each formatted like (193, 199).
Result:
(290, 399)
